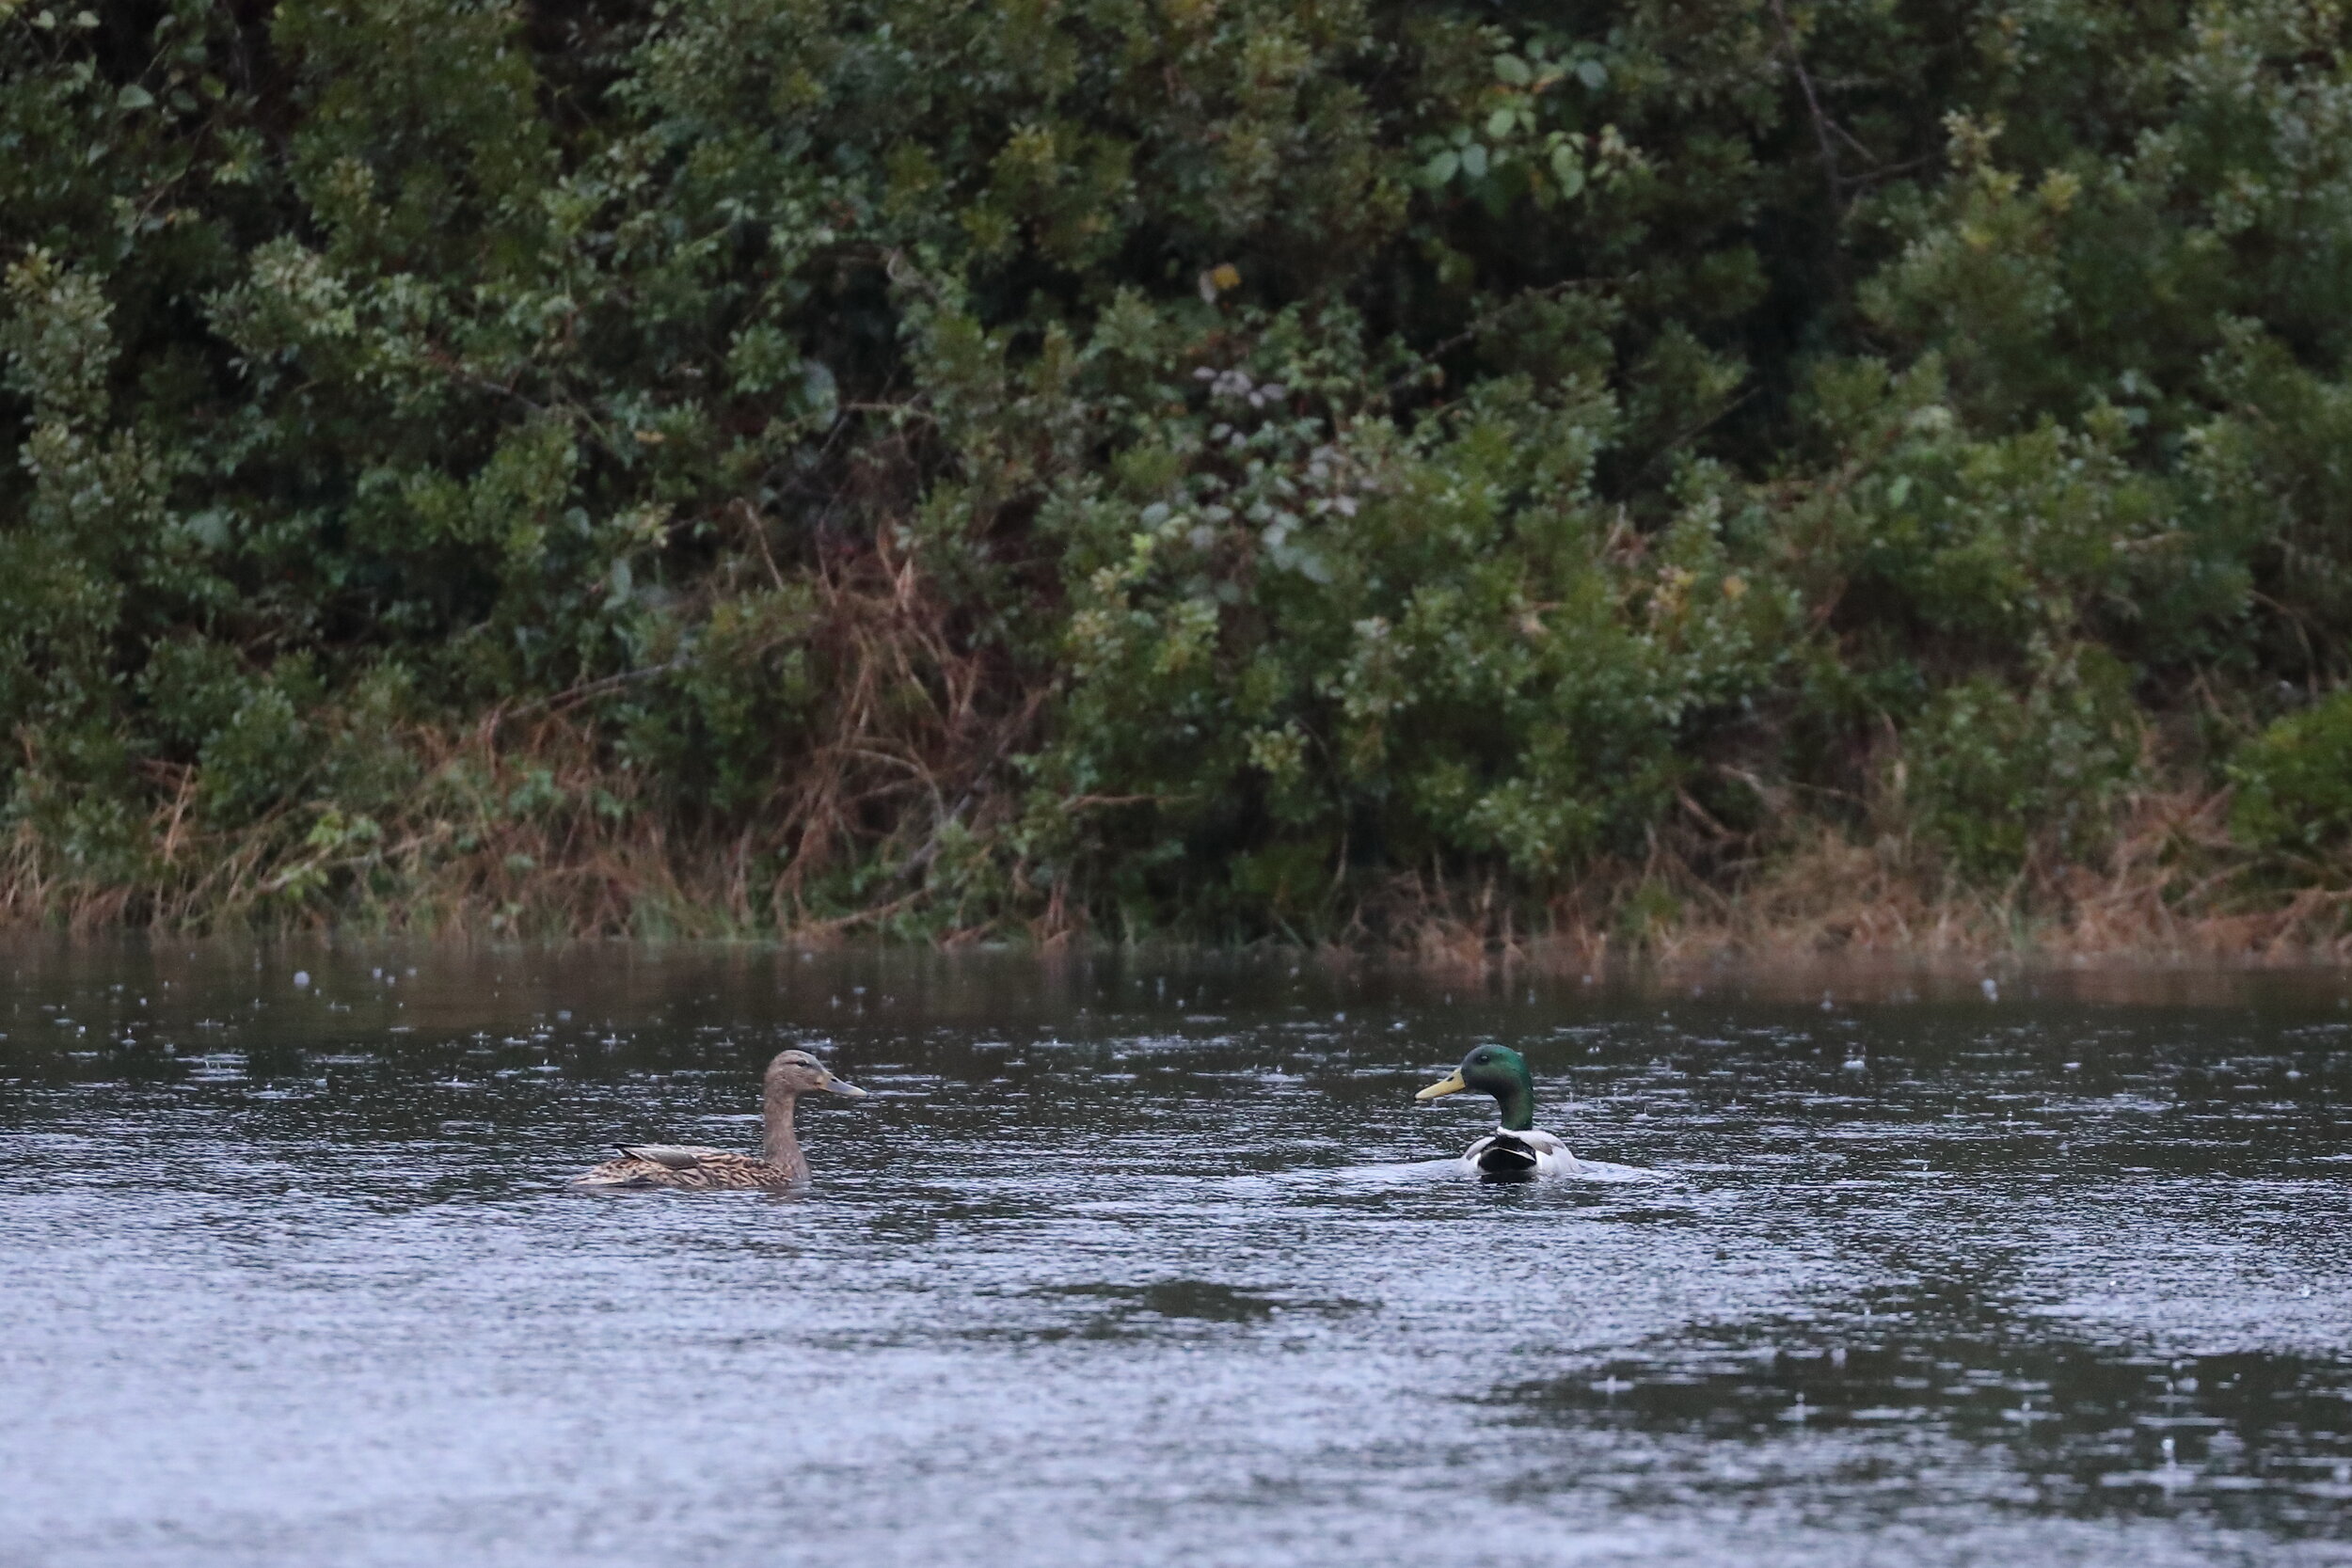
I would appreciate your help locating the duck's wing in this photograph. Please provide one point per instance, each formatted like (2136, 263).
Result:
(717, 1167)
(675, 1156)
(1551, 1154)
(1533, 1152)
(675, 1165)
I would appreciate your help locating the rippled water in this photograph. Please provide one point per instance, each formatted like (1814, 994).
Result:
(1129, 1266)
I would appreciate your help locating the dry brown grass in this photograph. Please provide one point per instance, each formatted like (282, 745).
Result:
(2172, 887)
(523, 824)
(459, 863)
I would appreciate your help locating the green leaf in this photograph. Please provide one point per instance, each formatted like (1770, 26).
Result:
(210, 528)
(1474, 161)
(134, 96)
(1568, 169)
(817, 389)
(1593, 75)
(1511, 68)
(1498, 124)
(1440, 168)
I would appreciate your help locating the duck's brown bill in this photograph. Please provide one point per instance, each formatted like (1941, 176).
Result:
(842, 1085)
(1451, 1084)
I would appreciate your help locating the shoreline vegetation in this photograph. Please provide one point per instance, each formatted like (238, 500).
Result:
(1428, 479)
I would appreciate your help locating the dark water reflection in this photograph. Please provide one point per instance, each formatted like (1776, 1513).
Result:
(1151, 1264)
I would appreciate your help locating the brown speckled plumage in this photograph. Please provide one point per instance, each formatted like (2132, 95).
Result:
(779, 1164)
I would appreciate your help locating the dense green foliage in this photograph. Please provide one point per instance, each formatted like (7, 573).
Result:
(1220, 464)
(2295, 782)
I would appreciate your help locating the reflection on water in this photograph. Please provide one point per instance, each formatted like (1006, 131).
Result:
(1164, 1264)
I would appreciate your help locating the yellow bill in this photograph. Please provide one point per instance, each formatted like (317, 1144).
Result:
(1451, 1084)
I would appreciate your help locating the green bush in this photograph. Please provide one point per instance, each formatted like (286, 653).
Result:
(2295, 782)
(1202, 466)
(1997, 774)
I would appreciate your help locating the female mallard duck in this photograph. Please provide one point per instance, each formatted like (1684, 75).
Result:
(1517, 1149)
(780, 1165)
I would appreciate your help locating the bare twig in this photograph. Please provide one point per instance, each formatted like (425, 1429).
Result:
(1813, 104)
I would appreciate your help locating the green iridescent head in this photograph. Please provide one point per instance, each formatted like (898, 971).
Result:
(1497, 1071)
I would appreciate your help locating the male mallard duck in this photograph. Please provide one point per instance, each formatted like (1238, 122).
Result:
(1516, 1147)
(781, 1164)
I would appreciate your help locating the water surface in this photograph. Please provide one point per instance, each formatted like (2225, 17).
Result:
(1124, 1264)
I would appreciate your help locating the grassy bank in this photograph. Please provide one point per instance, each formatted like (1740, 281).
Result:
(514, 831)
(1413, 476)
